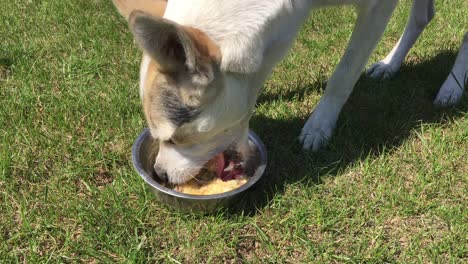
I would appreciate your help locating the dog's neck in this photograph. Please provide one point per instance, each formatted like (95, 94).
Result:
(243, 41)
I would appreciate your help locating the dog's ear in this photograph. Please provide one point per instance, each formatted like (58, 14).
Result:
(153, 7)
(177, 49)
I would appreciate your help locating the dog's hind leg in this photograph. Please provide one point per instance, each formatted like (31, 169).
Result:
(452, 89)
(422, 13)
(370, 25)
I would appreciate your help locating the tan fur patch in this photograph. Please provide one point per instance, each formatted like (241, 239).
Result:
(153, 7)
(205, 46)
(150, 93)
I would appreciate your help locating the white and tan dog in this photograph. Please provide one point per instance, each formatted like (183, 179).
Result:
(205, 61)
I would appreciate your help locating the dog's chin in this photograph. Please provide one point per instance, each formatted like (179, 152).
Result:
(179, 176)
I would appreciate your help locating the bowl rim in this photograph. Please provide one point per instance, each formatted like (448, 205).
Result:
(155, 185)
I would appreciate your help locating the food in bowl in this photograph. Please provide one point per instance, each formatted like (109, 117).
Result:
(223, 173)
(214, 186)
(144, 153)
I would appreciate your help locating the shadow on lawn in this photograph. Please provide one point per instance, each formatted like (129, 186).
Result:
(5, 65)
(378, 117)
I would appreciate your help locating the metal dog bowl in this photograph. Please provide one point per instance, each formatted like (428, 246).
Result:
(144, 152)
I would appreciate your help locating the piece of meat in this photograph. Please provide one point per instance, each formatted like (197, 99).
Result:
(228, 168)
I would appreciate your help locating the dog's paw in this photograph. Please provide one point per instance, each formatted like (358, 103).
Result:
(317, 130)
(382, 70)
(449, 94)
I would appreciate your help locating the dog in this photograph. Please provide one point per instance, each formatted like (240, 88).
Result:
(422, 12)
(205, 62)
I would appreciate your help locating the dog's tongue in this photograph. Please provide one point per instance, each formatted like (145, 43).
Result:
(220, 162)
(227, 170)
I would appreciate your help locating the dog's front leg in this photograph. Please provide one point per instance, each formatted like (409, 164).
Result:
(422, 13)
(452, 89)
(371, 22)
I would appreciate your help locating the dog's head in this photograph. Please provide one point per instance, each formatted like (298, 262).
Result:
(193, 108)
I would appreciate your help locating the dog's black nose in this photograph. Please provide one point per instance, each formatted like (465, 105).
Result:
(162, 173)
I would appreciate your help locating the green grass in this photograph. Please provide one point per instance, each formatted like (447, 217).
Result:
(390, 187)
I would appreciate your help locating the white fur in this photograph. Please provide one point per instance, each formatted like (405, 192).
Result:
(145, 62)
(228, 110)
(422, 13)
(180, 166)
(452, 90)
(243, 29)
(372, 20)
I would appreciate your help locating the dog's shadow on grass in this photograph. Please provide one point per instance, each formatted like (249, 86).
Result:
(379, 116)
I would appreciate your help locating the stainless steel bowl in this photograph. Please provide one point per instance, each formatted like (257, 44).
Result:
(144, 153)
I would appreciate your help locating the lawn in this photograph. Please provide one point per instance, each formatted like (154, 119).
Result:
(390, 187)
